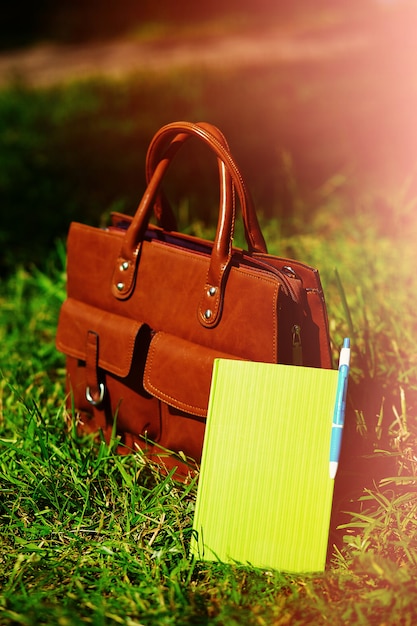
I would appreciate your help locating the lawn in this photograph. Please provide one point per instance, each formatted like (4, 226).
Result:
(92, 537)
(89, 536)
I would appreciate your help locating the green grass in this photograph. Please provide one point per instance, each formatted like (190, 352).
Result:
(92, 537)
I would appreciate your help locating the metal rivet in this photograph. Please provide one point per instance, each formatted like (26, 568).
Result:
(208, 314)
(124, 266)
(211, 291)
(120, 286)
(289, 270)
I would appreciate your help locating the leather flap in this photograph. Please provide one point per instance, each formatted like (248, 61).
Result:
(178, 372)
(116, 335)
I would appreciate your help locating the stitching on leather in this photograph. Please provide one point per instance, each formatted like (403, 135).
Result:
(103, 364)
(70, 350)
(131, 345)
(269, 280)
(200, 259)
(176, 403)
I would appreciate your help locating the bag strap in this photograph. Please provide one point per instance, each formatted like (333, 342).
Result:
(213, 291)
(162, 208)
(163, 212)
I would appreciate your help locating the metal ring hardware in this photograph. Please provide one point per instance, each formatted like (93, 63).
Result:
(90, 398)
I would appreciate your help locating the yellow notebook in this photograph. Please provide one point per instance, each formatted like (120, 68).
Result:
(265, 493)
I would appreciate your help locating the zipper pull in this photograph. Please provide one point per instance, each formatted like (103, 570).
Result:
(297, 348)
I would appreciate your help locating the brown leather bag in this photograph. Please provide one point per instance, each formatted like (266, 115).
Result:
(148, 309)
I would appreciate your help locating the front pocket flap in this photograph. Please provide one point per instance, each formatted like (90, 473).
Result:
(178, 372)
(117, 335)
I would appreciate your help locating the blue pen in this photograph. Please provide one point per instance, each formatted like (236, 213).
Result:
(339, 408)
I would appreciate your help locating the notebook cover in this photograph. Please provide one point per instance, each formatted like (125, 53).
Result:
(265, 494)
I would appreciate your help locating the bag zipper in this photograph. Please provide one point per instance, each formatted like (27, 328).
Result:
(297, 348)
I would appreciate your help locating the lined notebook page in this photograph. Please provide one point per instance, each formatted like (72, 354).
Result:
(265, 495)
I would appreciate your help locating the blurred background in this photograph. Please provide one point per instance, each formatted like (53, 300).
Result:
(76, 21)
(317, 101)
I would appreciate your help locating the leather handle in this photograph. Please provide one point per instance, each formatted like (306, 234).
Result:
(213, 290)
(253, 234)
(162, 208)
